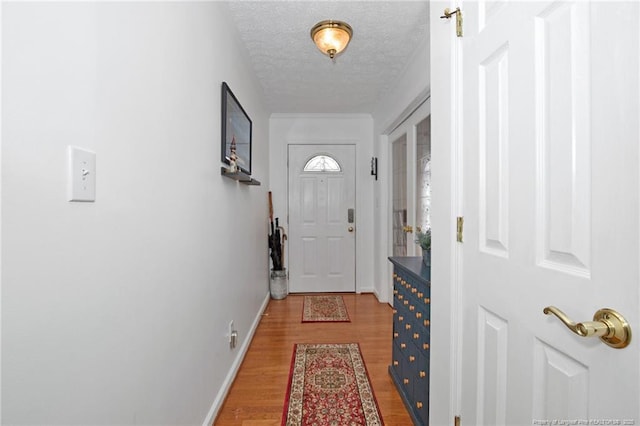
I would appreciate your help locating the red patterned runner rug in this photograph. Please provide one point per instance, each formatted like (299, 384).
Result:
(325, 308)
(329, 386)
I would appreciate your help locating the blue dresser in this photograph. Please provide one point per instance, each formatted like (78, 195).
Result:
(409, 367)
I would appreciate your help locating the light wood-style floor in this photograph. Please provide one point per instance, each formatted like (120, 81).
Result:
(258, 392)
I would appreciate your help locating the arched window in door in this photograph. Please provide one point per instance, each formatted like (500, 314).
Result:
(322, 163)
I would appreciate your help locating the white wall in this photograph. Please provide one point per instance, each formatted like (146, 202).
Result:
(115, 312)
(1, 133)
(413, 85)
(335, 129)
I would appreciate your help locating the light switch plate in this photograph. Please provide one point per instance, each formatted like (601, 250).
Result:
(82, 175)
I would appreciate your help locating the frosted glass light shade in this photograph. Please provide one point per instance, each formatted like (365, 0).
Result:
(331, 37)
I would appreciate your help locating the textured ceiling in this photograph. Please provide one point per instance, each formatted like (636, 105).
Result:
(296, 77)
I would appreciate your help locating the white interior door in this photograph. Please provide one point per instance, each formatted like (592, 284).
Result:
(322, 215)
(551, 187)
(410, 154)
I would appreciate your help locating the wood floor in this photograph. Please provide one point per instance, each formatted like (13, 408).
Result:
(257, 395)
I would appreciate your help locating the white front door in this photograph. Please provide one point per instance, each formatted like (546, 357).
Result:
(322, 215)
(551, 189)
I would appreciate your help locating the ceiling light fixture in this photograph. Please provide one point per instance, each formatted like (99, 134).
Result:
(331, 37)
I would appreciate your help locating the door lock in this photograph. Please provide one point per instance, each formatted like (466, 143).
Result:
(350, 215)
(607, 324)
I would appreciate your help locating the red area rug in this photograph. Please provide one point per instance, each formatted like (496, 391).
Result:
(329, 386)
(325, 308)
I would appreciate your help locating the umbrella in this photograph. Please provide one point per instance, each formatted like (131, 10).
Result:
(274, 239)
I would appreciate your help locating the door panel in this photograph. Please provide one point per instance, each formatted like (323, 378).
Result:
(423, 174)
(321, 245)
(563, 108)
(550, 201)
(561, 385)
(492, 373)
(494, 153)
(399, 195)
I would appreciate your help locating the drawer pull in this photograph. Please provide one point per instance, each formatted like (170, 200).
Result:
(419, 404)
(412, 358)
(423, 374)
(407, 327)
(403, 345)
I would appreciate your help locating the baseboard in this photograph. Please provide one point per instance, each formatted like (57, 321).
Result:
(382, 299)
(233, 371)
(375, 293)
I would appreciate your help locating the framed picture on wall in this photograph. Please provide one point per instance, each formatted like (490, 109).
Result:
(236, 131)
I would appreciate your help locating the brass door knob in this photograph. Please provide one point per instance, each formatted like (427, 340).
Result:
(612, 328)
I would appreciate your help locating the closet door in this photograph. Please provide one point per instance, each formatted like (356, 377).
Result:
(410, 186)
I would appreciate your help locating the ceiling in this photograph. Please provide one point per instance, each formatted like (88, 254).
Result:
(298, 78)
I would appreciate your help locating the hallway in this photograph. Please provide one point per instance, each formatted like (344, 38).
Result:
(257, 395)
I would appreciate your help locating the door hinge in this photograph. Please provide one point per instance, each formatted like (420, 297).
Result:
(459, 228)
(448, 14)
(456, 421)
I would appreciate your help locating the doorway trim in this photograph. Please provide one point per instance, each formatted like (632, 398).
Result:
(330, 129)
(1, 144)
(385, 269)
(446, 190)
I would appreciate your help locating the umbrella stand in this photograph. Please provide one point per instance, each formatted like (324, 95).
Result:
(278, 283)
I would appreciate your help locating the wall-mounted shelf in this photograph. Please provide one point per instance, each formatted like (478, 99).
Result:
(240, 177)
